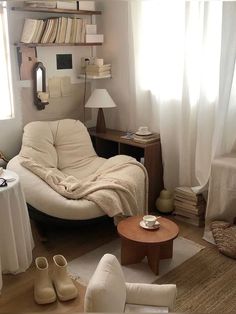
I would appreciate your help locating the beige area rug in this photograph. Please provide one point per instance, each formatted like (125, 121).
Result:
(206, 283)
(83, 267)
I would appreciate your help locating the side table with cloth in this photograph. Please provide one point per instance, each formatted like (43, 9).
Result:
(221, 203)
(16, 241)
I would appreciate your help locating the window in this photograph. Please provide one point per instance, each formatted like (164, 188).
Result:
(6, 103)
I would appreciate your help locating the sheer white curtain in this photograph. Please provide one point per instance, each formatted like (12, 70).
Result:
(182, 57)
(5, 77)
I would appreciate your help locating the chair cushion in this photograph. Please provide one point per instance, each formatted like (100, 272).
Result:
(64, 145)
(224, 235)
(38, 144)
(106, 291)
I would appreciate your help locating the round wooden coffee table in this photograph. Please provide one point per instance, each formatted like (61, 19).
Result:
(136, 242)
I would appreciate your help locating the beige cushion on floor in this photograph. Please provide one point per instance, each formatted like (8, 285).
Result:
(224, 235)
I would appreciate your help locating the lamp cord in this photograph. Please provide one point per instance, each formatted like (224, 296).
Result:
(85, 89)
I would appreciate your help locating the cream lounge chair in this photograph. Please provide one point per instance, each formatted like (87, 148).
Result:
(65, 147)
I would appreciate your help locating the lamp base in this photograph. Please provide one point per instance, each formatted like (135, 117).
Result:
(101, 125)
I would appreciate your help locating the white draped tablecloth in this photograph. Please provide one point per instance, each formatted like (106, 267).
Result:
(16, 241)
(221, 203)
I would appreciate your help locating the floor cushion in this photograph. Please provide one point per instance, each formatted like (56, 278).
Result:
(224, 235)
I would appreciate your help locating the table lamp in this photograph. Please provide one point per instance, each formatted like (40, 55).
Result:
(100, 99)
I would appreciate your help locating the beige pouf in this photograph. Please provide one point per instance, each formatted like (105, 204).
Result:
(224, 235)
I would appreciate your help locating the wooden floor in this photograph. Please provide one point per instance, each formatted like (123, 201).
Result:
(17, 292)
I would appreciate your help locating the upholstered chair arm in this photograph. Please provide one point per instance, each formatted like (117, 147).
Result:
(151, 294)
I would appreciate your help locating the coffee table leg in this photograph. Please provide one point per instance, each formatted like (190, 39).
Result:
(132, 252)
(153, 256)
(166, 250)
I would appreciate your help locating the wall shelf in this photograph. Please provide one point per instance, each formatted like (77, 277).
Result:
(32, 45)
(94, 77)
(60, 11)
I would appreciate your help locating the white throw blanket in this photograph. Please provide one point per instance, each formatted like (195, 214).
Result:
(110, 187)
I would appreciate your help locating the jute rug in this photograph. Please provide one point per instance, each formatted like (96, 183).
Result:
(206, 283)
(84, 266)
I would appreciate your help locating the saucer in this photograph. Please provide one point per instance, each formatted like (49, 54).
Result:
(143, 225)
(143, 133)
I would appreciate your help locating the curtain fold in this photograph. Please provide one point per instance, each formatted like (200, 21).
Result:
(182, 82)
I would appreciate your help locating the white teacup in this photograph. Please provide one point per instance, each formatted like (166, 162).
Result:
(43, 96)
(143, 129)
(149, 220)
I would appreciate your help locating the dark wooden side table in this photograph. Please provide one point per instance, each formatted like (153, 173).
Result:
(111, 143)
(136, 242)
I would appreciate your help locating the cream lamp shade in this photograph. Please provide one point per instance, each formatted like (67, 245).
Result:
(100, 98)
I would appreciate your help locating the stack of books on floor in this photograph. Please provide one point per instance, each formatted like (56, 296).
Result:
(98, 71)
(189, 206)
(145, 139)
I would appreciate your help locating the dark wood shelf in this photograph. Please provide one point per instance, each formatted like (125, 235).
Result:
(111, 143)
(55, 44)
(60, 11)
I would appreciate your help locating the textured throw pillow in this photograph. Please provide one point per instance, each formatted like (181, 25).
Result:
(224, 235)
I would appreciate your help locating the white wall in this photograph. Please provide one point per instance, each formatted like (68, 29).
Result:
(11, 130)
(114, 25)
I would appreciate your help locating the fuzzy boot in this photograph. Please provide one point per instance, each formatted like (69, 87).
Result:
(65, 288)
(44, 292)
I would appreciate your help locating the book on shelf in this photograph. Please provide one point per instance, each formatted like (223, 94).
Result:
(40, 31)
(100, 74)
(79, 25)
(98, 68)
(55, 29)
(58, 30)
(83, 31)
(29, 30)
(145, 141)
(94, 38)
(152, 135)
(62, 34)
(73, 30)
(48, 32)
(91, 29)
(67, 5)
(86, 5)
(198, 222)
(68, 30)
(37, 31)
(53, 34)
(41, 4)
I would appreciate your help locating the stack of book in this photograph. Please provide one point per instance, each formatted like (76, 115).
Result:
(98, 71)
(153, 137)
(41, 4)
(64, 5)
(54, 30)
(189, 206)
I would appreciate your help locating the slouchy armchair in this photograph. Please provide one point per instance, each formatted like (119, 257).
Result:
(64, 148)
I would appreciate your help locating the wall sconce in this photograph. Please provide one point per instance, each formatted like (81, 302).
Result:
(39, 88)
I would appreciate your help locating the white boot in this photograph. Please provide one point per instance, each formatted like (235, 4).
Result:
(44, 292)
(65, 288)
